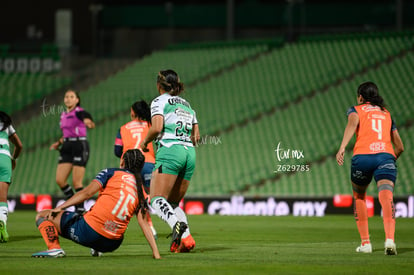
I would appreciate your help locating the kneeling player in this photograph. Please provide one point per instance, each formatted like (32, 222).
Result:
(102, 228)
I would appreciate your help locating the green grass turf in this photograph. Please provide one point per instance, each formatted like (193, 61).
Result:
(225, 245)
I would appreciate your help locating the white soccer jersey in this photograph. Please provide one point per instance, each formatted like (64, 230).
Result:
(4, 139)
(179, 119)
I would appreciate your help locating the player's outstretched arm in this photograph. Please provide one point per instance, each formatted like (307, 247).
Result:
(80, 196)
(146, 229)
(89, 123)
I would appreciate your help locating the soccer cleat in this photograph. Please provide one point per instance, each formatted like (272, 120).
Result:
(52, 253)
(96, 253)
(4, 236)
(187, 244)
(154, 232)
(366, 248)
(390, 247)
(178, 231)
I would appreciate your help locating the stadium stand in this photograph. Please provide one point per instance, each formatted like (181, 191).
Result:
(114, 95)
(19, 90)
(286, 74)
(248, 100)
(111, 98)
(28, 77)
(397, 91)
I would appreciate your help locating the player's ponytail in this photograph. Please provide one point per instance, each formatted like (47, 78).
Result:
(6, 119)
(133, 162)
(142, 110)
(170, 82)
(369, 91)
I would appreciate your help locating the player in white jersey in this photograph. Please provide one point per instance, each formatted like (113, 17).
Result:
(174, 127)
(7, 164)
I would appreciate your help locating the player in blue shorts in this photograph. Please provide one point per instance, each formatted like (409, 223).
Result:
(378, 145)
(121, 195)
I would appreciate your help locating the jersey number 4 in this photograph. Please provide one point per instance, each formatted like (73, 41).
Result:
(377, 127)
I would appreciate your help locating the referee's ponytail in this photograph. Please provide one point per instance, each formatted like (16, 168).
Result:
(134, 162)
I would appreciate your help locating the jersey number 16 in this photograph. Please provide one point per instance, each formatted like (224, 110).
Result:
(121, 208)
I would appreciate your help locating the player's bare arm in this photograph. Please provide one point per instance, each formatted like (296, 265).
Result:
(398, 144)
(80, 196)
(195, 134)
(353, 121)
(157, 123)
(146, 229)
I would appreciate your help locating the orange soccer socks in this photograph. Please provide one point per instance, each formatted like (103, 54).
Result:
(388, 212)
(361, 217)
(49, 234)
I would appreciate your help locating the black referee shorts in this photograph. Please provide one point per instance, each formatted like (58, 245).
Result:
(75, 152)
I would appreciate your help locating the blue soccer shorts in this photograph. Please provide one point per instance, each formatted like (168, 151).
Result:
(380, 166)
(75, 228)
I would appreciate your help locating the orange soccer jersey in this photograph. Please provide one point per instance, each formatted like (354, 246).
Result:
(131, 136)
(116, 203)
(373, 134)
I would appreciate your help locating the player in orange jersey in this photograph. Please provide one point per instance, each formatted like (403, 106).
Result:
(130, 136)
(378, 145)
(102, 228)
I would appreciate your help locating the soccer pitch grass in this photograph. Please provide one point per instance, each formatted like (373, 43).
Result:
(224, 245)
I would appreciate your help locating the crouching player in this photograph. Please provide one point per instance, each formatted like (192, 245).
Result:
(102, 228)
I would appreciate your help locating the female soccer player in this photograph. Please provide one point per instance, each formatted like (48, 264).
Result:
(174, 126)
(374, 156)
(130, 135)
(102, 228)
(7, 164)
(74, 153)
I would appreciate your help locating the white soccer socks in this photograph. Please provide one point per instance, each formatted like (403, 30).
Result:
(182, 218)
(4, 211)
(164, 210)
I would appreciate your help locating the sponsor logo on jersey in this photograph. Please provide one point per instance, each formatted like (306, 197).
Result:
(177, 100)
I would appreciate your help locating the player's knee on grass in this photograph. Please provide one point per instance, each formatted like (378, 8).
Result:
(39, 220)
